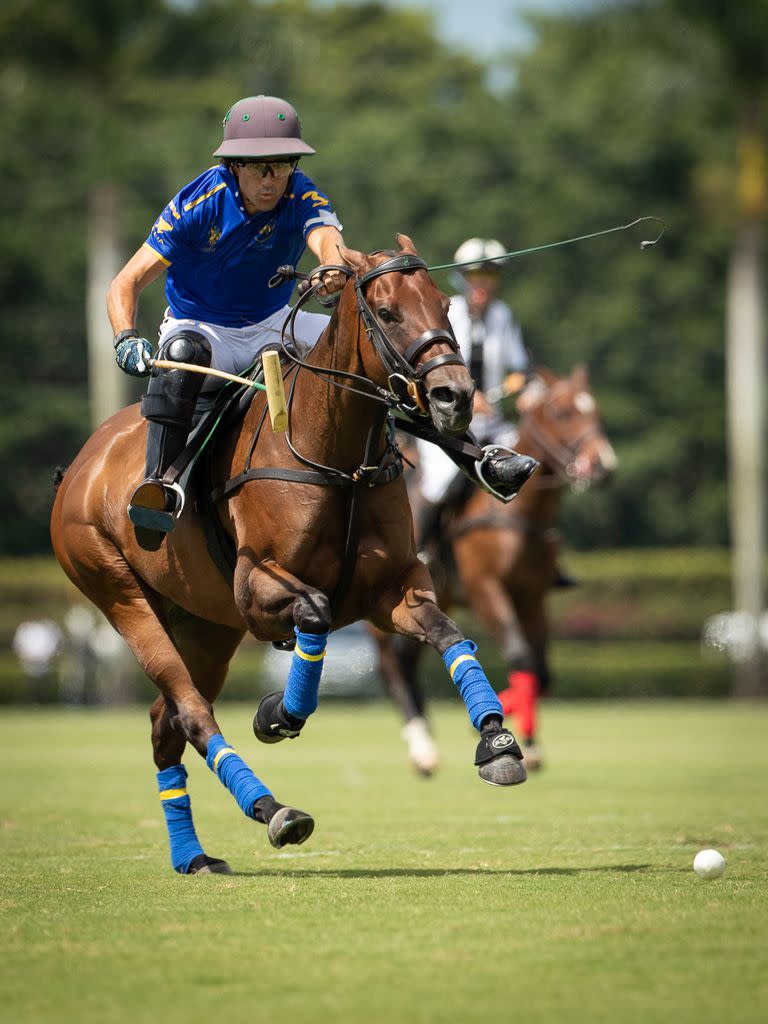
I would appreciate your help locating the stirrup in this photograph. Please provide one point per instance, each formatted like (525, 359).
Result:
(149, 505)
(497, 449)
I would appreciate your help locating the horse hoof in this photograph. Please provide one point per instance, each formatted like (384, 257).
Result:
(205, 865)
(503, 771)
(421, 747)
(272, 723)
(499, 757)
(289, 826)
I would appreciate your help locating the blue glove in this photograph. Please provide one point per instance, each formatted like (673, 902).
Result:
(133, 355)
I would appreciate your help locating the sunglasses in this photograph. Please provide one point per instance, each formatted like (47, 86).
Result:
(278, 168)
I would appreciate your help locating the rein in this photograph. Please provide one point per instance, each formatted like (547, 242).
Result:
(404, 379)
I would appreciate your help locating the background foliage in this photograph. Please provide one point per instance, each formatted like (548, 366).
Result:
(617, 111)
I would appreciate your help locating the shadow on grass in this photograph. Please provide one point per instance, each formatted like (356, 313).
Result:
(433, 872)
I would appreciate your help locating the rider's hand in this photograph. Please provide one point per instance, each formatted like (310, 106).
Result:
(132, 356)
(333, 281)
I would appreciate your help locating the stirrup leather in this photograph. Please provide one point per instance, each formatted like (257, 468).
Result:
(149, 505)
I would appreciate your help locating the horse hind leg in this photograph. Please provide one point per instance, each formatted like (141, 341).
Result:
(139, 616)
(187, 854)
(399, 658)
(529, 676)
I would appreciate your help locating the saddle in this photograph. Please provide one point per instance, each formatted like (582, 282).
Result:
(192, 470)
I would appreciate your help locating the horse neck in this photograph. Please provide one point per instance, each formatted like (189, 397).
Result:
(330, 423)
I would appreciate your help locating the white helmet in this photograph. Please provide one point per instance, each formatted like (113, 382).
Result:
(478, 253)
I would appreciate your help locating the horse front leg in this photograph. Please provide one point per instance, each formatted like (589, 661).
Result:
(275, 604)
(489, 599)
(412, 609)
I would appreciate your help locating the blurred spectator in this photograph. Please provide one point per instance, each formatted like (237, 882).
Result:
(36, 643)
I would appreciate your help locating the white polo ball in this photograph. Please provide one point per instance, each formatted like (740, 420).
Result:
(709, 864)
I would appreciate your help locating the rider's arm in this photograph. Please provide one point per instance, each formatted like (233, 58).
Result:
(324, 243)
(144, 267)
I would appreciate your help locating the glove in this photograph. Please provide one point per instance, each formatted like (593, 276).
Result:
(132, 356)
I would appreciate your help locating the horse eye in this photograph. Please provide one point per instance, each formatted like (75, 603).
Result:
(384, 314)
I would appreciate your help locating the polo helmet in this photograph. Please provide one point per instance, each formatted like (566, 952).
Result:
(480, 254)
(260, 127)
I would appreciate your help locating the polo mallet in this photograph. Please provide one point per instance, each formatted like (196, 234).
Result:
(273, 383)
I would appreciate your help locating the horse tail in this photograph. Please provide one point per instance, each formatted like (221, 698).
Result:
(58, 476)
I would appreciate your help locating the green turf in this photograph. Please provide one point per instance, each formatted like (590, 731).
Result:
(570, 898)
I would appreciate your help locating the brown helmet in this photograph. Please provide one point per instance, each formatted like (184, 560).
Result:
(262, 126)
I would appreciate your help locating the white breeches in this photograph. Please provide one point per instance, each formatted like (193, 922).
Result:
(235, 348)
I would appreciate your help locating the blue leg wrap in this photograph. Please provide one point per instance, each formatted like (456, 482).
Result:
(467, 673)
(185, 846)
(235, 774)
(300, 697)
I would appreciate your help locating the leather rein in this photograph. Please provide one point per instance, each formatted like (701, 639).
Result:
(405, 393)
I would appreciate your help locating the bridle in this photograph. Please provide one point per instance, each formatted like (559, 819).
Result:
(561, 456)
(405, 378)
(375, 469)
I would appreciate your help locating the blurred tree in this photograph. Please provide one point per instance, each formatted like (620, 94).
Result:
(610, 124)
(615, 112)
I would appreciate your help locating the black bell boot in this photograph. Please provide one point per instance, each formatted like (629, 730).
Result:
(503, 472)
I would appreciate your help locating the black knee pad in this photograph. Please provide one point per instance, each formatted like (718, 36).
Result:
(171, 394)
(187, 347)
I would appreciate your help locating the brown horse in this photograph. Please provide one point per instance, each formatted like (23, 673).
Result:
(505, 557)
(316, 548)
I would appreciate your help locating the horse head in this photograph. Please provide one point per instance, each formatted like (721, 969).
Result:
(412, 350)
(560, 422)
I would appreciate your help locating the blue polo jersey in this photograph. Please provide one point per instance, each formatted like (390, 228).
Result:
(220, 258)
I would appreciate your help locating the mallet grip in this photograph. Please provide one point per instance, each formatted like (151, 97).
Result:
(273, 383)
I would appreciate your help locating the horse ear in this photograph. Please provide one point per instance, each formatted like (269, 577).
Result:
(405, 242)
(353, 259)
(580, 376)
(546, 376)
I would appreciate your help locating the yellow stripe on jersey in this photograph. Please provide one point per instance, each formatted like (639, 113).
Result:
(156, 253)
(188, 206)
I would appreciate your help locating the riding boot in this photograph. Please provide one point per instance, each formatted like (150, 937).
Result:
(168, 406)
(503, 471)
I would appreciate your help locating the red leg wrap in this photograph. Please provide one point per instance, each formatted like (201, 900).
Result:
(520, 700)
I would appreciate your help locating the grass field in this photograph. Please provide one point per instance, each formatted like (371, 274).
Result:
(570, 898)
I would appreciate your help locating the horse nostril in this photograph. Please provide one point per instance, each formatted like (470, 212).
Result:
(457, 399)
